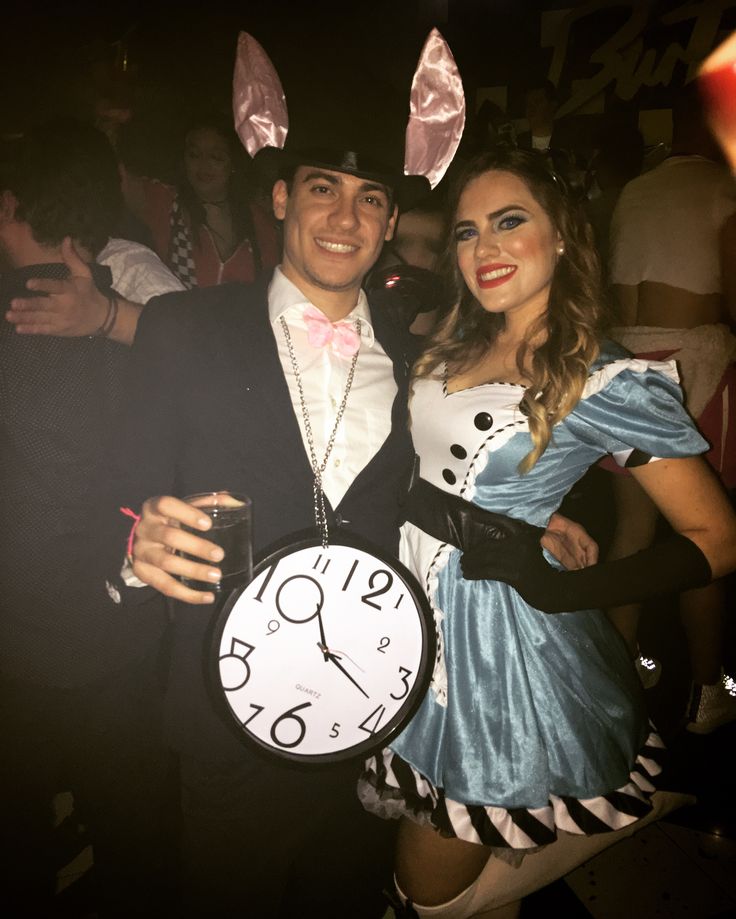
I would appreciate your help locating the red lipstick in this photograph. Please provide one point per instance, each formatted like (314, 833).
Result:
(494, 275)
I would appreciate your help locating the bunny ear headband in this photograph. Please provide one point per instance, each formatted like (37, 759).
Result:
(433, 132)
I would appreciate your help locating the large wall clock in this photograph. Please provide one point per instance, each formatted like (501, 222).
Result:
(325, 655)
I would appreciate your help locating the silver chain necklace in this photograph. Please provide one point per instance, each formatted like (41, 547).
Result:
(320, 512)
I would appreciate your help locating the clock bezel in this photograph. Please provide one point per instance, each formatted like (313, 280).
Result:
(307, 539)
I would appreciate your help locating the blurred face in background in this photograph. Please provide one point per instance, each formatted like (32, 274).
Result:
(419, 239)
(208, 164)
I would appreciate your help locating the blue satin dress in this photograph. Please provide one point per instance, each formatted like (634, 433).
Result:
(533, 722)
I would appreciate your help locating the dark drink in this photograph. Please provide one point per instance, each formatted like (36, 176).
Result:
(231, 530)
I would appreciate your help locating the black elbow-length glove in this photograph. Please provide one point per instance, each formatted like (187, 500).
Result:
(670, 566)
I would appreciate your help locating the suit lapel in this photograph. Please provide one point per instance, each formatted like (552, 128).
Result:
(395, 342)
(261, 375)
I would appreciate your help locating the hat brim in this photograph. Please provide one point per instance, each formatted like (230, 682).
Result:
(408, 191)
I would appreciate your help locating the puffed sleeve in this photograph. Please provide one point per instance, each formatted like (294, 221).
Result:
(633, 409)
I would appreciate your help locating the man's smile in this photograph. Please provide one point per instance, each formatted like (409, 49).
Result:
(331, 246)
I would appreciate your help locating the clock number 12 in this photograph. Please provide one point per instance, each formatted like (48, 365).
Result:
(380, 590)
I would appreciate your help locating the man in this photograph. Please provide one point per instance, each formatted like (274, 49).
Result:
(540, 105)
(79, 701)
(225, 413)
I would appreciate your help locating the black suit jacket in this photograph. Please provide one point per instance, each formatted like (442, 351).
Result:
(210, 410)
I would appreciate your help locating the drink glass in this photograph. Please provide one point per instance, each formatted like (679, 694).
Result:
(231, 530)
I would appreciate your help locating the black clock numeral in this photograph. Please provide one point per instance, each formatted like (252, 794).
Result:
(349, 578)
(234, 668)
(258, 710)
(290, 716)
(372, 722)
(264, 585)
(335, 731)
(405, 674)
(298, 610)
(273, 626)
(381, 590)
(319, 559)
(383, 644)
(241, 649)
(398, 602)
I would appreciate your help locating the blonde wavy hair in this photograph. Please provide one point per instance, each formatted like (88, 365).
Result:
(567, 334)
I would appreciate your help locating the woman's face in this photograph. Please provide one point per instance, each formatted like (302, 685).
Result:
(507, 248)
(207, 164)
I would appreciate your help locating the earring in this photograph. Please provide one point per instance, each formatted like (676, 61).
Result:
(561, 249)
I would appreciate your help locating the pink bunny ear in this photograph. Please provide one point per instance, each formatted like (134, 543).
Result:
(259, 104)
(436, 111)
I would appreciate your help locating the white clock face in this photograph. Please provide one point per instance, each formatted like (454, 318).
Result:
(325, 653)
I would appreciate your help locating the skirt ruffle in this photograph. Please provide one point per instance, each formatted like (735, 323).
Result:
(391, 788)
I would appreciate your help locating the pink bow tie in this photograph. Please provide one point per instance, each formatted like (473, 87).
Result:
(340, 336)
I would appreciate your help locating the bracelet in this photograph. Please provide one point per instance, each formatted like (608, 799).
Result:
(110, 318)
(131, 536)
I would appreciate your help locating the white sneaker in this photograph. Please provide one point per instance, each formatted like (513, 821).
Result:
(711, 706)
(649, 670)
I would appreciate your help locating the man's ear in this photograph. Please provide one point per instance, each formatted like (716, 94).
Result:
(392, 224)
(8, 205)
(280, 198)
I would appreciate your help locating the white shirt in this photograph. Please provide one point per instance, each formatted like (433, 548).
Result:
(666, 225)
(366, 422)
(137, 272)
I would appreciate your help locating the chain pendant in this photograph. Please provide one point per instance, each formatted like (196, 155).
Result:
(320, 510)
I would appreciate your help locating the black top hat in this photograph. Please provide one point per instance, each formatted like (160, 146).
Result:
(372, 156)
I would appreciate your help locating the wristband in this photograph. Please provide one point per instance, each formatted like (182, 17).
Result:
(110, 318)
(131, 536)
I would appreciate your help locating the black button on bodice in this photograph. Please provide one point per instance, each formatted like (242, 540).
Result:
(458, 452)
(449, 476)
(483, 421)
(338, 519)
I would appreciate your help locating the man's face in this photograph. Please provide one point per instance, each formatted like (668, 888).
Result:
(334, 227)
(207, 164)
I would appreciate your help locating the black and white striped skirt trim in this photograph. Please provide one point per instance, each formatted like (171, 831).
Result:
(390, 787)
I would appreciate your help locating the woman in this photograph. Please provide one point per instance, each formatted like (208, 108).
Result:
(533, 723)
(207, 229)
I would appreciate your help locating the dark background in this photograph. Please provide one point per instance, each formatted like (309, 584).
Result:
(58, 58)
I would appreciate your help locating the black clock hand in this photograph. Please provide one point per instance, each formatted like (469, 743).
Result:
(336, 661)
(323, 645)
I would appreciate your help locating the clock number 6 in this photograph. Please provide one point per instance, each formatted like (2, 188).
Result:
(234, 667)
(286, 717)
